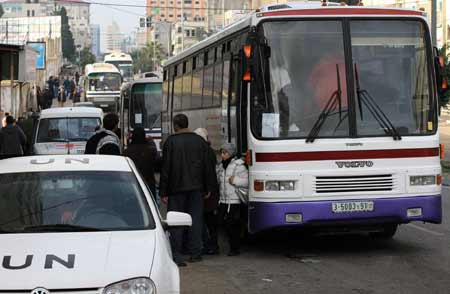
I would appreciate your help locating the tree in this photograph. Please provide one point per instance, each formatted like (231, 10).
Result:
(86, 57)
(1, 10)
(147, 58)
(68, 43)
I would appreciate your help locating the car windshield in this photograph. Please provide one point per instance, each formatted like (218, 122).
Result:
(66, 129)
(105, 82)
(146, 105)
(96, 200)
(306, 74)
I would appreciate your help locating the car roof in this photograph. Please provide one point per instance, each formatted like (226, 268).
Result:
(71, 112)
(60, 163)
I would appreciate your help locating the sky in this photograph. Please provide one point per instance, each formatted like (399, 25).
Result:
(126, 17)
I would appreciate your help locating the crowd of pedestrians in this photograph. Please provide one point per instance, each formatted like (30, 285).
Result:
(192, 180)
(62, 89)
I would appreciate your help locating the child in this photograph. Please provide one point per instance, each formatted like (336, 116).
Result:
(231, 174)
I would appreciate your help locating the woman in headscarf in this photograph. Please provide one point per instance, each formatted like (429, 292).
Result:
(144, 154)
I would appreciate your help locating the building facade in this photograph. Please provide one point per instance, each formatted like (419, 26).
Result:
(95, 34)
(114, 38)
(78, 12)
(172, 10)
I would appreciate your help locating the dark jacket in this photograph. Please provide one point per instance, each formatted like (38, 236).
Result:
(12, 141)
(145, 157)
(212, 203)
(186, 165)
(103, 142)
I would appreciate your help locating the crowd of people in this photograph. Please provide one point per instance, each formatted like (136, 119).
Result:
(191, 179)
(61, 88)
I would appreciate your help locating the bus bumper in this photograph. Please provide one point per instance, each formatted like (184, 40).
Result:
(267, 215)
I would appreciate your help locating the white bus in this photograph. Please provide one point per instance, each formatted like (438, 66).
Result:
(123, 62)
(102, 83)
(334, 107)
(141, 107)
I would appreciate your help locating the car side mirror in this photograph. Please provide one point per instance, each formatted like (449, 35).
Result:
(177, 219)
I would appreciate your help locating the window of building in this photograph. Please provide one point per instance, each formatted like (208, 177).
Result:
(193, 33)
(187, 33)
(179, 29)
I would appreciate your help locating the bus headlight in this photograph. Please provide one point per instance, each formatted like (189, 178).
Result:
(272, 186)
(422, 180)
(133, 286)
(280, 186)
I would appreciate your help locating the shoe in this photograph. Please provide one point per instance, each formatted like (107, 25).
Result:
(181, 264)
(234, 253)
(213, 252)
(195, 259)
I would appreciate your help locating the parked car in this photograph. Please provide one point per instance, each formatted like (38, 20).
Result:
(87, 223)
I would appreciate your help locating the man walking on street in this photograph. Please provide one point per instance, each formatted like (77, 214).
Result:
(105, 141)
(12, 140)
(186, 178)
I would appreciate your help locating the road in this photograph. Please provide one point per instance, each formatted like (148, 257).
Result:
(417, 260)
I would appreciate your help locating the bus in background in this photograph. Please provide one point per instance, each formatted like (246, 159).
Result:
(141, 106)
(123, 62)
(102, 83)
(334, 107)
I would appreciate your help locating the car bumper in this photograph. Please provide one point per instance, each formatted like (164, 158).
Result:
(267, 215)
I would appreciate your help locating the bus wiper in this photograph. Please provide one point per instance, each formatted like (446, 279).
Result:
(365, 98)
(59, 228)
(336, 98)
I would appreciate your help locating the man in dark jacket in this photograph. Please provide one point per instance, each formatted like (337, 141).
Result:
(105, 141)
(12, 140)
(186, 178)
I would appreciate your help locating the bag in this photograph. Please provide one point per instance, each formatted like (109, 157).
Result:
(242, 194)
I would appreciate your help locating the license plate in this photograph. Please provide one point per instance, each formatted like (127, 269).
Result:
(353, 206)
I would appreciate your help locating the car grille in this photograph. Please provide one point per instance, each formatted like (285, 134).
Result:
(341, 184)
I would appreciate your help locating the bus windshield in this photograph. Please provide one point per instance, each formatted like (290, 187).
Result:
(306, 74)
(145, 105)
(125, 68)
(105, 81)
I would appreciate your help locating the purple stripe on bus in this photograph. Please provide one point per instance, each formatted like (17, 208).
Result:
(267, 215)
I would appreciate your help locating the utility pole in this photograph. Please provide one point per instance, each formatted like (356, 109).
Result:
(433, 22)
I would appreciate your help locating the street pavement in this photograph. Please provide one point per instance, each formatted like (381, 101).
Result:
(416, 260)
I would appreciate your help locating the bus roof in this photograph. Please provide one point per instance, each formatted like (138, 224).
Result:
(71, 112)
(118, 56)
(100, 67)
(153, 80)
(293, 9)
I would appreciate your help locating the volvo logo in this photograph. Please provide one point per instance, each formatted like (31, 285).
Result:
(354, 164)
(40, 291)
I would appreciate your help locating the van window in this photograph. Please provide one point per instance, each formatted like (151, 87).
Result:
(66, 129)
(105, 82)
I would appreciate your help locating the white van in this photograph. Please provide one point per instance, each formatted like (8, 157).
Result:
(66, 130)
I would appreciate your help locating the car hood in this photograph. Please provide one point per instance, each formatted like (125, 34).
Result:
(99, 259)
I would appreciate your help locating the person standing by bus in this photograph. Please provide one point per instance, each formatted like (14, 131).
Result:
(231, 174)
(105, 141)
(211, 205)
(185, 180)
(144, 154)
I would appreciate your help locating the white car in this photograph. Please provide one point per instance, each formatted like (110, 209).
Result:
(82, 224)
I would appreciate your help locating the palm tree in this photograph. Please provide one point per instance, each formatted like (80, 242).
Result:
(147, 58)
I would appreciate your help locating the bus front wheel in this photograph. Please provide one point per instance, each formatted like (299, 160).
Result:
(386, 232)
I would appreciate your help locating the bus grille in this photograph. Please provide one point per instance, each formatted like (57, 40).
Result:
(342, 184)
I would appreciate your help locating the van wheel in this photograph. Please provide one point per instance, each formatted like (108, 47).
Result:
(387, 232)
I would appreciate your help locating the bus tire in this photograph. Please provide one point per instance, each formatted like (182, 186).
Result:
(387, 232)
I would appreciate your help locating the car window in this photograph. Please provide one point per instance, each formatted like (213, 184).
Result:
(97, 200)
